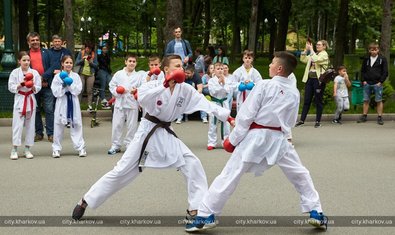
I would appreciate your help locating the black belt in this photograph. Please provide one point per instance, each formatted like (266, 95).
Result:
(158, 123)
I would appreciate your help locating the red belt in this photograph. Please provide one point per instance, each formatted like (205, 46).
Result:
(26, 94)
(257, 126)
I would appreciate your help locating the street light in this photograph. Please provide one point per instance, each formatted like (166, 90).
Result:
(85, 26)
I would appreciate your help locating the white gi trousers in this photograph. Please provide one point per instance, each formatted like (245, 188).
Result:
(127, 170)
(120, 116)
(18, 122)
(225, 184)
(75, 134)
(212, 130)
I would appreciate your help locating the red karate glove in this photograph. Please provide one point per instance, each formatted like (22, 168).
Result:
(177, 75)
(29, 84)
(120, 89)
(231, 121)
(153, 71)
(228, 146)
(135, 95)
(28, 76)
(111, 101)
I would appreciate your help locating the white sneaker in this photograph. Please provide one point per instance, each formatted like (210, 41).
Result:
(14, 155)
(204, 120)
(82, 153)
(103, 102)
(178, 121)
(90, 109)
(28, 154)
(56, 154)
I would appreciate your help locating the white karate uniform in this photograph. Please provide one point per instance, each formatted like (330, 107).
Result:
(218, 92)
(272, 103)
(60, 119)
(292, 77)
(126, 107)
(241, 75)
(163, 149)
(19, 120)
(160, 77)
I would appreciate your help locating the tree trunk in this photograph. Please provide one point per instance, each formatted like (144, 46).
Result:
(69, 26)
(159, 29)
(207, 20)
(341, 31)
(385, 41)
(23, 28)
(285, 6)
(236, 44)
(273, 30)
(253, 26)
(35, 17)
(174, 17)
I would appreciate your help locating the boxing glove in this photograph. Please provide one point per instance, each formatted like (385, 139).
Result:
(153, 71)
(250, 85)
(111, 101)
(228, 146)
(29, 84)
(177, 75)
(28, 76)
(68, 81)
(63, 75)
(242, 86)
(120, 89)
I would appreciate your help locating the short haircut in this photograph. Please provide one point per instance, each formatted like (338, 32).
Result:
(153, 58)
(130, 55)
(341, 67)
(373, 45)
(55, 36)
(32, 35)
(166, 60)
(190, 68)
(287, 60)
(22, 54)
(248, 53)
(218, 64)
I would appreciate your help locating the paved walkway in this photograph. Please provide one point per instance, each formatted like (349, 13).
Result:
(352, 166)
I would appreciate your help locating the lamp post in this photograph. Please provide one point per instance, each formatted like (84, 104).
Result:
(85, 24)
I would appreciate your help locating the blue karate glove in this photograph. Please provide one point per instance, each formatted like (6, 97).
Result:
(242, 86)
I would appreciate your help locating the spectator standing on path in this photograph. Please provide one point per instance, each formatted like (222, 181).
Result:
(316, 64)
(374, 72)
(24, 82)
(40, 60)
(104, 74)
(179, 46)
(200, 67)
(340, 93)
(87, 60)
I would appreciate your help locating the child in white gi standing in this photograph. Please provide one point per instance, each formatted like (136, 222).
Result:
(123, 87)
(219, 91)
(24, 82)
(154, 72)
(246, 77)
(155, 144)
(265, 119)
(340, 93)
(66, 87)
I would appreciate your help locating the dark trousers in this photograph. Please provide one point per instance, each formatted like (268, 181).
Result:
(313, 90)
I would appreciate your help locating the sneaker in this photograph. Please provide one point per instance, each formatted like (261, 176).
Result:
(104, 102)
(318, 220)
(113, 151)
(362, 118)
(336, 121)
(210, 147)
(106, 106)
(380, 120)
(38, 138)
(56, 154)
(79, 210)
(201, 223)
(204, 120)
(90, 109)
(300, 123)
(28, 154)
(82, 153)
(14, 155)
(50, 138)
(317, 124)
(178, 121)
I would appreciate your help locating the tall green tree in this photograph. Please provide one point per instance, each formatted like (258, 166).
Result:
(341, 32)
(386, 26)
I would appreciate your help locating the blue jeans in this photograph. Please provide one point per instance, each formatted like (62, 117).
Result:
(45, 99)
(104, 78)
(378, 92)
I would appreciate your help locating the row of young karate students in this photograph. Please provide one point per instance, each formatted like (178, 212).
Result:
(265, 119)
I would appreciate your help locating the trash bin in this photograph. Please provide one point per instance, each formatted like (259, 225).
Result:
(356, 92)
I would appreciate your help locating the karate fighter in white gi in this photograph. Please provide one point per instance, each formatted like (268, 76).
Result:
(246, 77)
(155, 144)
(66, 86)
(265, 119)
(219, 91)
(123, 86)
(24, 82)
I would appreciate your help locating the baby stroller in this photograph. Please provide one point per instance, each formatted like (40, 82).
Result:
(95, 103)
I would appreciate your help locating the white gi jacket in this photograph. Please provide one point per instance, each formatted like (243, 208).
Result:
(160, 77)
(121, 78)
(240, 75)
(219, 91)
(61, 99)
(273, 103)
(164, 149)
(16, 77)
